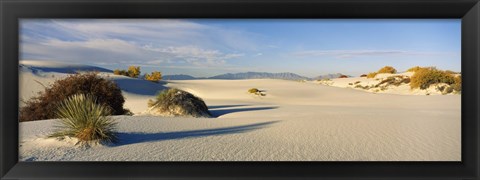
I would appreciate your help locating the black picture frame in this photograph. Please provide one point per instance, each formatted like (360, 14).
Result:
(13, 10)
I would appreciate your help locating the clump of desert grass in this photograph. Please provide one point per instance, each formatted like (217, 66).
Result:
(82, 117)
(175, 102)
(257, 92)
(394, 80)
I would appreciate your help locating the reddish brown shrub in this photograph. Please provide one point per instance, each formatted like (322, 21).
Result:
(45, 104)
(343, 76)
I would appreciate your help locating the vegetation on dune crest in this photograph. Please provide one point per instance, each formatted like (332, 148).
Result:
(394, 80)
(175, 102)
(155, 76)
(371, 75)
(82, 117)
(424, 77)
(414, 69)
(133, 72)
(458, 83)
(44, 105)
(387, 69)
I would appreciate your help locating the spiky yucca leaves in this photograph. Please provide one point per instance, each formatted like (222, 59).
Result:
(81, 117)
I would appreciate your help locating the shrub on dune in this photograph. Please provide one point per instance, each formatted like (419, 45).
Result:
(457, 86)
(363, 75)
(387, 69)
(425, 77)
(175, 102)
(120, 72)
(343, 76)
(43, 106)
(253, 90)
(451, 72)
(83, 118)
(133, 72)
(256, 92)
(155, 76)
(371, 75)
(414, 69)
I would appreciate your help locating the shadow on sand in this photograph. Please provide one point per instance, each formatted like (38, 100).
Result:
(133, 138)
(139, 86)
(221, 112)
(226, 106)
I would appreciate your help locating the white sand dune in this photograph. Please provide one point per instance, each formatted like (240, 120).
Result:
(294, 122)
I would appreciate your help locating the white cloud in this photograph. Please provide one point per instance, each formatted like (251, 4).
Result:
(119, 51)
(258, 54)
(147, 41)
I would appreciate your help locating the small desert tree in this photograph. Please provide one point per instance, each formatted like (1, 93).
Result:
(133, 71)
(155, 76)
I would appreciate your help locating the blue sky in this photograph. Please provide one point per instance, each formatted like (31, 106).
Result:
(207, 47)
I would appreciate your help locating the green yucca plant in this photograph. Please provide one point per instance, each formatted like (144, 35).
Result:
(80, 116)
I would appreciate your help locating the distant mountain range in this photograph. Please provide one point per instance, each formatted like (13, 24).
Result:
(328, 76)
(254, 75)
(178, 77)
(260, 75)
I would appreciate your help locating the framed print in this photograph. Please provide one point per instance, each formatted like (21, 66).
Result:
(252, 89)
